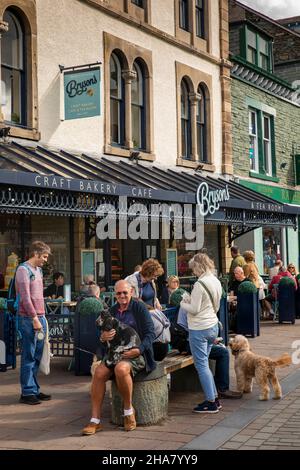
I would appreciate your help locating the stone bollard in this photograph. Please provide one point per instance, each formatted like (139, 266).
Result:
(150, 399)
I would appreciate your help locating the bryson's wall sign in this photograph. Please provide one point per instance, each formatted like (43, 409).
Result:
(209, 200)
(82, 93)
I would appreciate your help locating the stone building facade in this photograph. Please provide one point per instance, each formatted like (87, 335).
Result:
(163, 64)
(265, 122)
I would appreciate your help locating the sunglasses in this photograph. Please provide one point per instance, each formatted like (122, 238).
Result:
(123, 292)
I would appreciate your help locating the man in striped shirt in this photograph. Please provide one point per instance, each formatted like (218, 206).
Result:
(29, 288)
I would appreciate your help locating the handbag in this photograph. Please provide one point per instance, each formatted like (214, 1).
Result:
(46, 356)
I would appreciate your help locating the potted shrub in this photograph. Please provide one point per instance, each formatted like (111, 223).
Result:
(286, 300)
(248, 309)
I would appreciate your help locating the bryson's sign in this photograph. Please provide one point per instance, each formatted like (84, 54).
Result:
(82, 93)
(209, 200)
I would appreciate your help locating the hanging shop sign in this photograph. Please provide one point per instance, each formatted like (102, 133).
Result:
(209, 200)
(82, 93)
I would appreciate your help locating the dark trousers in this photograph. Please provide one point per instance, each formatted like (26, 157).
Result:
(221, 356)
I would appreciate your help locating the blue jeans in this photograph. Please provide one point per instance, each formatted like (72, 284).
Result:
(221, 356)
(201, 342)
(31, 354)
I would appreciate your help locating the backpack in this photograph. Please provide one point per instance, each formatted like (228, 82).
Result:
(12, 298)
(179, 338)
(161, 326)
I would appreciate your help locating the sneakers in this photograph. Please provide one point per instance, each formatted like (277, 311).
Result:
(29, 400)
(206, 407)
(43, 397)
(218, 403)
(230, 394)
(91, 429)
(130, 422)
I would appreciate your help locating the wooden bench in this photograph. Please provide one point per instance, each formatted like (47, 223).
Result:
(151, 391)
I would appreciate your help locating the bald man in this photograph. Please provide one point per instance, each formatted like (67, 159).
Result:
(134, 313)
(239, 277)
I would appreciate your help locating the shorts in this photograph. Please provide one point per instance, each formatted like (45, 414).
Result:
(137, 364)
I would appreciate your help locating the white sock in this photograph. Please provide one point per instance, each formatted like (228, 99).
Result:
(95, 420)
(128, 412)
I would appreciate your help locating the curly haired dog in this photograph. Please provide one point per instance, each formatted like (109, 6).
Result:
(248, 365)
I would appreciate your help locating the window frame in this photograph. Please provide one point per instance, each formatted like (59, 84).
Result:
(254, 112)
(200, 11)
(201, 127)
(138, 3)
(267, 144)
(21, 72)
(185, 121)
(141, 107)
(184, 17)
(120, 99)
(266, 161)
(259, 37)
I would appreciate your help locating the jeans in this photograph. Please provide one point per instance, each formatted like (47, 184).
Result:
(221, 356)
(31, 354)
(201, 342)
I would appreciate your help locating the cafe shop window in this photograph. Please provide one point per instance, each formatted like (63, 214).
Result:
(13, 72)
(272, 247)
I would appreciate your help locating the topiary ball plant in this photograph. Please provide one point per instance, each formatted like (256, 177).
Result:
(91, 306)
(176, 297)
(247, 287)
(287, 281)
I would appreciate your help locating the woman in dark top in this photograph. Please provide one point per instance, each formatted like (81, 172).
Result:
(143, 283)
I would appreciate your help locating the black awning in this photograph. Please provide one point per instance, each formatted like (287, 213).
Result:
(55, 182)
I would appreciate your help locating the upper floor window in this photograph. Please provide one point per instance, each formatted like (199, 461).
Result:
(253, 136)
(267, 150)
(117, 108)
(184, 14)
(185, 122)
(258, 49)
(13, 77)
(139, 3)
(138, 108)
(200, 18)
(261, 143)
(201, 126)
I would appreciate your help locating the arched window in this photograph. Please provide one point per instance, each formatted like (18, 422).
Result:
(138, 108)
(201, 126)
(13, 79)
(117, 108)
(185, 122)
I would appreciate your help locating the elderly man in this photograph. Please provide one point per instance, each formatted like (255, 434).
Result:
(134, 313)
(239, 277)
(237, 260)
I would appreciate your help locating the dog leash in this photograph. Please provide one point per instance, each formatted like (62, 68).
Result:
(84, 350)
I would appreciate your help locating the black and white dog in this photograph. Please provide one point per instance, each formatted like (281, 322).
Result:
(126, 338)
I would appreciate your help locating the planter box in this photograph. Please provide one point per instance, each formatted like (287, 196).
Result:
(248, 314)
(286, 303)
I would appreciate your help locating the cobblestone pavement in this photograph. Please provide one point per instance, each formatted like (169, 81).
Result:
(245, 423)
(278, 428)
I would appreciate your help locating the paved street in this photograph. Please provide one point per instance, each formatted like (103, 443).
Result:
(244, 424)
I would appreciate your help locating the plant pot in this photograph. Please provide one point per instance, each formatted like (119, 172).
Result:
(248, 314)
(286, 303)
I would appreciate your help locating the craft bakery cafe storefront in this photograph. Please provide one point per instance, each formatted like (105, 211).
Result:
(54, 197)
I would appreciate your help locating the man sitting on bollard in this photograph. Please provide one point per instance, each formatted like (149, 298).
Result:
(133, 313)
